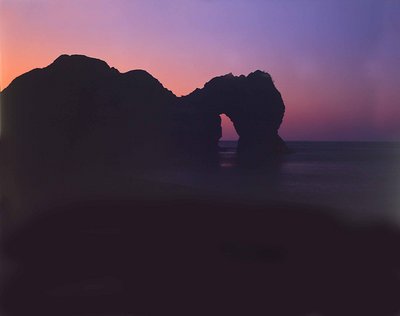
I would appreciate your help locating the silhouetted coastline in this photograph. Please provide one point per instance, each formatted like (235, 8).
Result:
(79, 105)
(118, 199)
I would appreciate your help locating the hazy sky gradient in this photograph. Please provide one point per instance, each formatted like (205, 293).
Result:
(336, 63)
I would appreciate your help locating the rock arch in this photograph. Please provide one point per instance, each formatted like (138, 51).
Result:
(252, 103)
(78, 108)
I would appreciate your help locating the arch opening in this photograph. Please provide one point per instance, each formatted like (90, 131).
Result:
(228, 129)
(227, 142)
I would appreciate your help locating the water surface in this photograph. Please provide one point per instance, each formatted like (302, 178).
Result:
(357, 180)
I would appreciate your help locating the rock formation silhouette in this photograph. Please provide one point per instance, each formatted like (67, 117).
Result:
(253, 104)
(80, 109)
(84, 234)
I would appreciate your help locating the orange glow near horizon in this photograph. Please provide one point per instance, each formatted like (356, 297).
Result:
(300, 110)
(337, 81)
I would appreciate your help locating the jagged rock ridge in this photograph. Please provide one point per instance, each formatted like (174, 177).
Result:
(80, 109)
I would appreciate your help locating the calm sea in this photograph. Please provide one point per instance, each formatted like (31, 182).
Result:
(356, 180)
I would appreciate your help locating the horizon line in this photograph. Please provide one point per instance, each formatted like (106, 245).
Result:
(327, 141)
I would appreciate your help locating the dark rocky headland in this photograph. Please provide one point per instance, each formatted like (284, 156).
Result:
(81, 106)
(93, 223)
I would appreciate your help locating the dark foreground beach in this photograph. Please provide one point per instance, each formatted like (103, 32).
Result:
(313, 234)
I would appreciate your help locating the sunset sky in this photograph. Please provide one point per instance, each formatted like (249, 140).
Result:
(336, 62)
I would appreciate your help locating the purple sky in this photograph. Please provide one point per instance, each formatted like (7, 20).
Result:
(336, 63)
